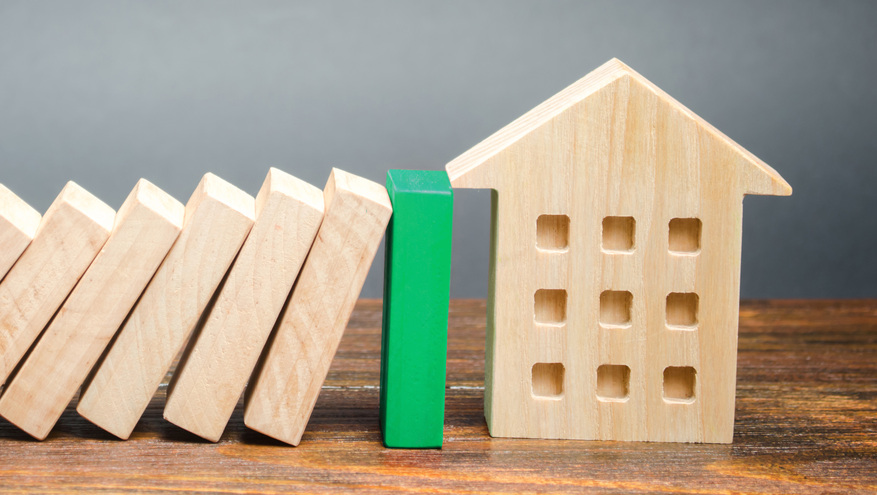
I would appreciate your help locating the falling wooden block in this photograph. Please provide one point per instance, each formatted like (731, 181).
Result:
(70, 235)
(146, 227)
(212, 374)
(281, 396)
(18, 225)
(615, 265)
(417, 277)
(218, 217)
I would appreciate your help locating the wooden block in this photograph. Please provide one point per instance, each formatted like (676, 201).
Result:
(286, 383)
(18, 225)
(146, 227)
(417, 277)
(212, 374)
(69, 236)
(615, 265)
(217, 219)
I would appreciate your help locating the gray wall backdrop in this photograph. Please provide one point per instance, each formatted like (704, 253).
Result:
(104, 93)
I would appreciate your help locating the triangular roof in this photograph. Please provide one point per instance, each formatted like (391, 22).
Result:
(469, 161)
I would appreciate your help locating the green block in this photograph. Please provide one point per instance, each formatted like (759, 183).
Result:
(417, 278)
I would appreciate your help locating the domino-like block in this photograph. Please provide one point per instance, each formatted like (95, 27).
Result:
(18, 225)
(281, 397)
(217, 219)
(146, 227)
(417, 277)
(70, 235)
(213, 373)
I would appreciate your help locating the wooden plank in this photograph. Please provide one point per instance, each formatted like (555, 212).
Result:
(18, 225)
(145, 228)
(217, 219)
(806, 416)
(417, 277)
(285, 386)
(214, 370)
(69, 236)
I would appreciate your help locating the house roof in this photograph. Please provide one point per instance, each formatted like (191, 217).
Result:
(469, 161)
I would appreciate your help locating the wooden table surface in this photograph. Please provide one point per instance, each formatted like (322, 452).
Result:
(806, 423)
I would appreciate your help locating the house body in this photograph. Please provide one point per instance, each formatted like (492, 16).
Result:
(615, 265)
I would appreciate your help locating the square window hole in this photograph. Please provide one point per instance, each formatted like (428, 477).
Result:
(550, 306)
(615, 308)
(548, 380)
(685, 235)
(552, 232)
(613, 382)
(679, 384)
(682, 310)
(618, 234)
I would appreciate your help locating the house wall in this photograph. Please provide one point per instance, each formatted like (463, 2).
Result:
(621, 152)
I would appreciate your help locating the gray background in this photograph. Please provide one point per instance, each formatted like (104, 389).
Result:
(106, 92)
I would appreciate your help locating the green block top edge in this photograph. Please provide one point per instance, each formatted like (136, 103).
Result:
(418, 181)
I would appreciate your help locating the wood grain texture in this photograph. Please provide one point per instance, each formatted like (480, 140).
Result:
(18, 224)
(214, 370)
(805, 423)
(68, 238)
(218, 217)
(615, 265)
(287, 381)
(144, 230)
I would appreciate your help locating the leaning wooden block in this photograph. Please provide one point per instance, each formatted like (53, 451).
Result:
(286, 383)
(212, 374)
(70, 235)
(18, 225)
(417, 277)
(145, 229)
(217, 219)
(615, 265)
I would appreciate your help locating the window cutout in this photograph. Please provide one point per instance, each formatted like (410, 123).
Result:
(613, 382)
(685, 235)
(550, 306)
(548, 380)
(615, 308)
(682, 310)
(618, 234)
(679, 384)
(552, 232)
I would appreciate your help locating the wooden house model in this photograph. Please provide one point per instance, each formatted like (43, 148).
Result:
(615, 265)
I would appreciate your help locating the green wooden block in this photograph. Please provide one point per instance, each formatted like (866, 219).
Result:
(417, 277)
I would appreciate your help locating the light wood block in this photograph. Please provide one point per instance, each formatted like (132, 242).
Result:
(68, 238)
(18, 225)
(146, 227)
(281, 396)
(218, 217)
(609, 198)
(212, 374)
